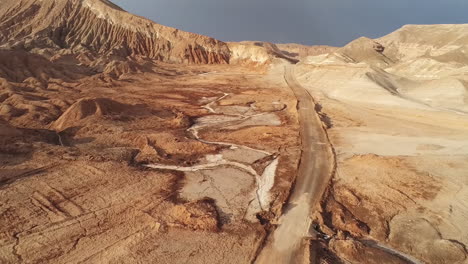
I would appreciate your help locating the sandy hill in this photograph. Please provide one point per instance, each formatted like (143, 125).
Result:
(99, 28)
(413, 41)
(441, 43)
(427, 64)
(438, 36)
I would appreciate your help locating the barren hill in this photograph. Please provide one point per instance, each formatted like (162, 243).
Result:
(412, 41)
(99, 28)
(397, 112)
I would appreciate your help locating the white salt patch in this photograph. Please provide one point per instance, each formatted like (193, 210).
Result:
(214, 158)
(265, 184)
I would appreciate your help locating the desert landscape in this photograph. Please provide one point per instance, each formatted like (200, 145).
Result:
(126, 141)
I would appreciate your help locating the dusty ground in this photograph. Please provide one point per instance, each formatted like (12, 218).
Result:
(402, 158)
(76, 189)
(111, 154)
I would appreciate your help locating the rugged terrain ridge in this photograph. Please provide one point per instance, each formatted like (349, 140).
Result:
(98, 27)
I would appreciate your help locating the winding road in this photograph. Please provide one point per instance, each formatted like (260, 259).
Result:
(315, 170)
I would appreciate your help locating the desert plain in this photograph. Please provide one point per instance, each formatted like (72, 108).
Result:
(125, 141)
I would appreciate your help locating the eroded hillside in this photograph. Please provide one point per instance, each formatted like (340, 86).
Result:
(99, 30)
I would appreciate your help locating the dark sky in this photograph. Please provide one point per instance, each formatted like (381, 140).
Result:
(311, 22)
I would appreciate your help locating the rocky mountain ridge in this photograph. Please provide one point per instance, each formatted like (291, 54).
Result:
(97, 28)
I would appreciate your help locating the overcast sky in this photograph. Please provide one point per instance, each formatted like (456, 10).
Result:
(311, 22)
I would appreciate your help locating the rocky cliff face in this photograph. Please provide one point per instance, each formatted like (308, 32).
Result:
(98, 28)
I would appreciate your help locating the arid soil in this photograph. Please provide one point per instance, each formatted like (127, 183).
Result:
(114, 151)
(125, 141)
(400, 137)
(77, 189)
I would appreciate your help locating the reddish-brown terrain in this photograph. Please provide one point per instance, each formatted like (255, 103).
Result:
(125, 141)
(118, 146)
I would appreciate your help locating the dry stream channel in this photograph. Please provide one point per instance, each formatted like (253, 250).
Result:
(229, 177)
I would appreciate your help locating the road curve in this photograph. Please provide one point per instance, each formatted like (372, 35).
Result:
(314, 173)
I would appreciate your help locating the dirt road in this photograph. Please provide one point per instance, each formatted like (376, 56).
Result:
(315, 170)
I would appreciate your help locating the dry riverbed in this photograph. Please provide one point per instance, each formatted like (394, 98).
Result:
(168, 167)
